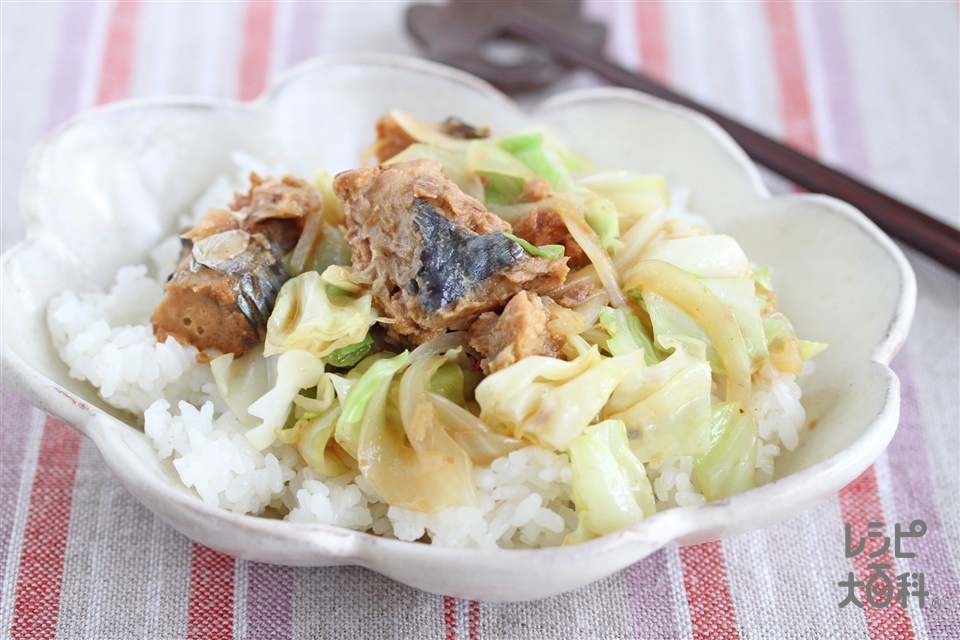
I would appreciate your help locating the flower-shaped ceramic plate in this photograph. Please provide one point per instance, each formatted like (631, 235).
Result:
(103, 189)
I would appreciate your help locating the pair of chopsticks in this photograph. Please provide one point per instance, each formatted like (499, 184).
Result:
(454, 32)
(908, 224)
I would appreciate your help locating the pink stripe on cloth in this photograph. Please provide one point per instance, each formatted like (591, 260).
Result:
(651, 27)
(65, 83)
(914, 499)
(40, 577)
(648, 581)
(704, 574)
(269, 588)
(118, 55)
(39, 581)
(257, 43)
(794, 101)
(859, 502)
(651, 594)
(269, 601)
(906, 455)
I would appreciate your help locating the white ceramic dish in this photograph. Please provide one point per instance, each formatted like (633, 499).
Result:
(100, 191)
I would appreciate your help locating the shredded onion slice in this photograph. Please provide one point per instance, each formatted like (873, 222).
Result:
(697, 301)
(481, 443)
(310, 237)
(636, 239)
(440, 344)
(571, 212)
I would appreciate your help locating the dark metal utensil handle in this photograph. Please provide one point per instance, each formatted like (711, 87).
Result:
(936, 239)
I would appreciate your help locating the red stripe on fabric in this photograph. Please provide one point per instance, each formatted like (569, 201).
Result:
(708, 595)
(40, 577)
(791, 76)
(860, 505)
(860, 501)
(474, 620)
(210, 611)
(652, 32)
(449, 618)
(704, 575)
(118, 54)
(45, 537)
(257, 41)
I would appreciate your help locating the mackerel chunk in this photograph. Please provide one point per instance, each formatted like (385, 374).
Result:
(222, 293)
(433, 257)
(231, 269)
(519, 332)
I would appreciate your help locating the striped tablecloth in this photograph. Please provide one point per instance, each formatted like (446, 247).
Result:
(869, 86)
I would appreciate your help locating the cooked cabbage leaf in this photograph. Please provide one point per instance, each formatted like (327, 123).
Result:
(333, 213)
(530, 150)
(631, 193)
(666, 407)
(351, 354)
(357, 401)
(627, 334)
(601, 214)
(549, 401)
(705, 256)
(308, 317)
(296, 370)
(546, 251)
(312, 437)
(610, 485)
(787, 352)
(728, 466)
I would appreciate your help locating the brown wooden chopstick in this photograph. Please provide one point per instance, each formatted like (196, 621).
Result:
(929, 235)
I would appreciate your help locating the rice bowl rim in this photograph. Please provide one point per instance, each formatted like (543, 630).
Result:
(328, 544)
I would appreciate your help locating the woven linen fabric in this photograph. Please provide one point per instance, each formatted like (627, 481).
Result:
(871, 87)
